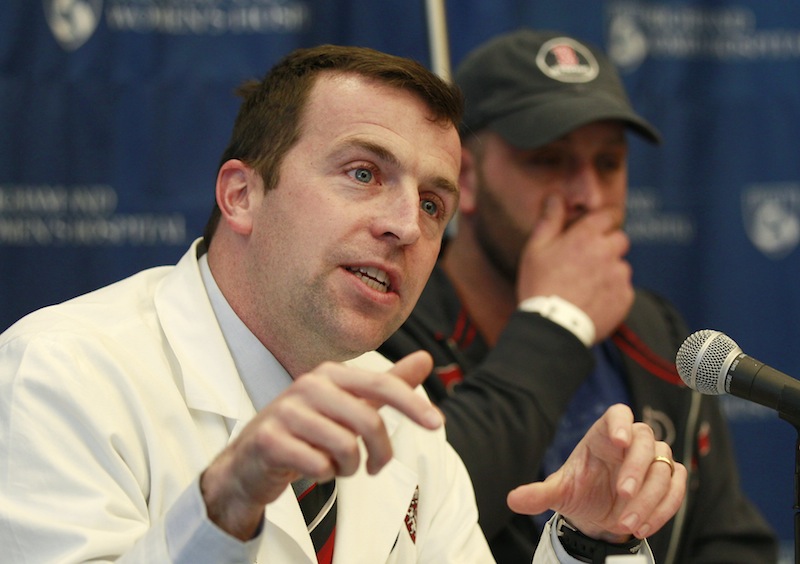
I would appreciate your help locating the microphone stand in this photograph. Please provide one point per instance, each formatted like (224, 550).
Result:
(789, 410)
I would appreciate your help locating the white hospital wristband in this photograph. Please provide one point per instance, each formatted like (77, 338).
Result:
(564, 313)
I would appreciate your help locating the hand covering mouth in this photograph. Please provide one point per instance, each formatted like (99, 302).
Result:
(373, 277)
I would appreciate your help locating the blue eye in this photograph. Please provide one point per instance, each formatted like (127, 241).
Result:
(429, 207)
(363, 175)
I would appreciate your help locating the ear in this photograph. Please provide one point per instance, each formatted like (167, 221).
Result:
(239, 189)
(467, 181)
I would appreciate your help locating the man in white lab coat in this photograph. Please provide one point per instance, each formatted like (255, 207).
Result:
(164, 418)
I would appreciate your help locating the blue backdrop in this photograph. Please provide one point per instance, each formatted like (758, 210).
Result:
(114, 112)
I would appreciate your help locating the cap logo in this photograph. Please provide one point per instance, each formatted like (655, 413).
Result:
(566, 60)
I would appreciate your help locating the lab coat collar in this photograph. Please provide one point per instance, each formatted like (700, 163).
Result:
(209, 377)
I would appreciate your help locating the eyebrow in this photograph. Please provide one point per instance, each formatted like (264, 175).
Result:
(388, 156)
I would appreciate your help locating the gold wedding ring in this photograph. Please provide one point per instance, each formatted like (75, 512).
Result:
(665, 460)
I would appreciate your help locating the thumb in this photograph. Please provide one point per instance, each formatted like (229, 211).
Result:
(413, 368)
(552, 219)
(534, 498)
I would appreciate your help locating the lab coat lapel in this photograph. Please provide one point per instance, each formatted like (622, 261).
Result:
(286, 530)
(210, 379)
(372, 509)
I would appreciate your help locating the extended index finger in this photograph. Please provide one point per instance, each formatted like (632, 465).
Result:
(395, 387)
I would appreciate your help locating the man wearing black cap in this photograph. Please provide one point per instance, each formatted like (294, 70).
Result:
(531, 315)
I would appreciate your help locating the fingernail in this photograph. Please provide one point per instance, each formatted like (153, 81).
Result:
(629, 486)
(432, 418)
(631, 521)
(643, 530)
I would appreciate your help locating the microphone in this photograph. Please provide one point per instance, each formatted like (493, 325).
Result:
(712, 363)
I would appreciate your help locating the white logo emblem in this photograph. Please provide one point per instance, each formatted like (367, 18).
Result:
(566, 60)
(771, 214)
(627, 44)
(72, 21)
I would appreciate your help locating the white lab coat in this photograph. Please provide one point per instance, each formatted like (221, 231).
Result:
(112, 404)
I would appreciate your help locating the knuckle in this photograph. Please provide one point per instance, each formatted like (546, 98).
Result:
(267, 433)
(373, 423)
(306, 382)
(286, 408)
(644, 430)
(346, 450)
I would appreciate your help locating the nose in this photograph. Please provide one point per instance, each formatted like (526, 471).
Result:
(583, 190)
(398, 219)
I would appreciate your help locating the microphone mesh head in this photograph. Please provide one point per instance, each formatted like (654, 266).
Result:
(702, 361)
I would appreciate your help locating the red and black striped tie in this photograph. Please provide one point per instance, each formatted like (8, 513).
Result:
(318, 504)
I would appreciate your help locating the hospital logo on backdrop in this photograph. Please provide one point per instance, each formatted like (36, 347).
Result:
(72, 21)
(771, 215)
(668, 30)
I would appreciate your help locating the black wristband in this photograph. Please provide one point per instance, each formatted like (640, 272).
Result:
(587, 549)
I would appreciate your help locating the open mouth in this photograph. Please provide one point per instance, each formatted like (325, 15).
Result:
(373, 277)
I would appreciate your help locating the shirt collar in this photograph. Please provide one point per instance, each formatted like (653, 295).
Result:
(262, 375)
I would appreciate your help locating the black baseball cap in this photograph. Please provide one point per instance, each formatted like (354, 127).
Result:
(533, 87)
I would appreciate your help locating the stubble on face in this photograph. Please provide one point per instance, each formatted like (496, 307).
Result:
(496, 231)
